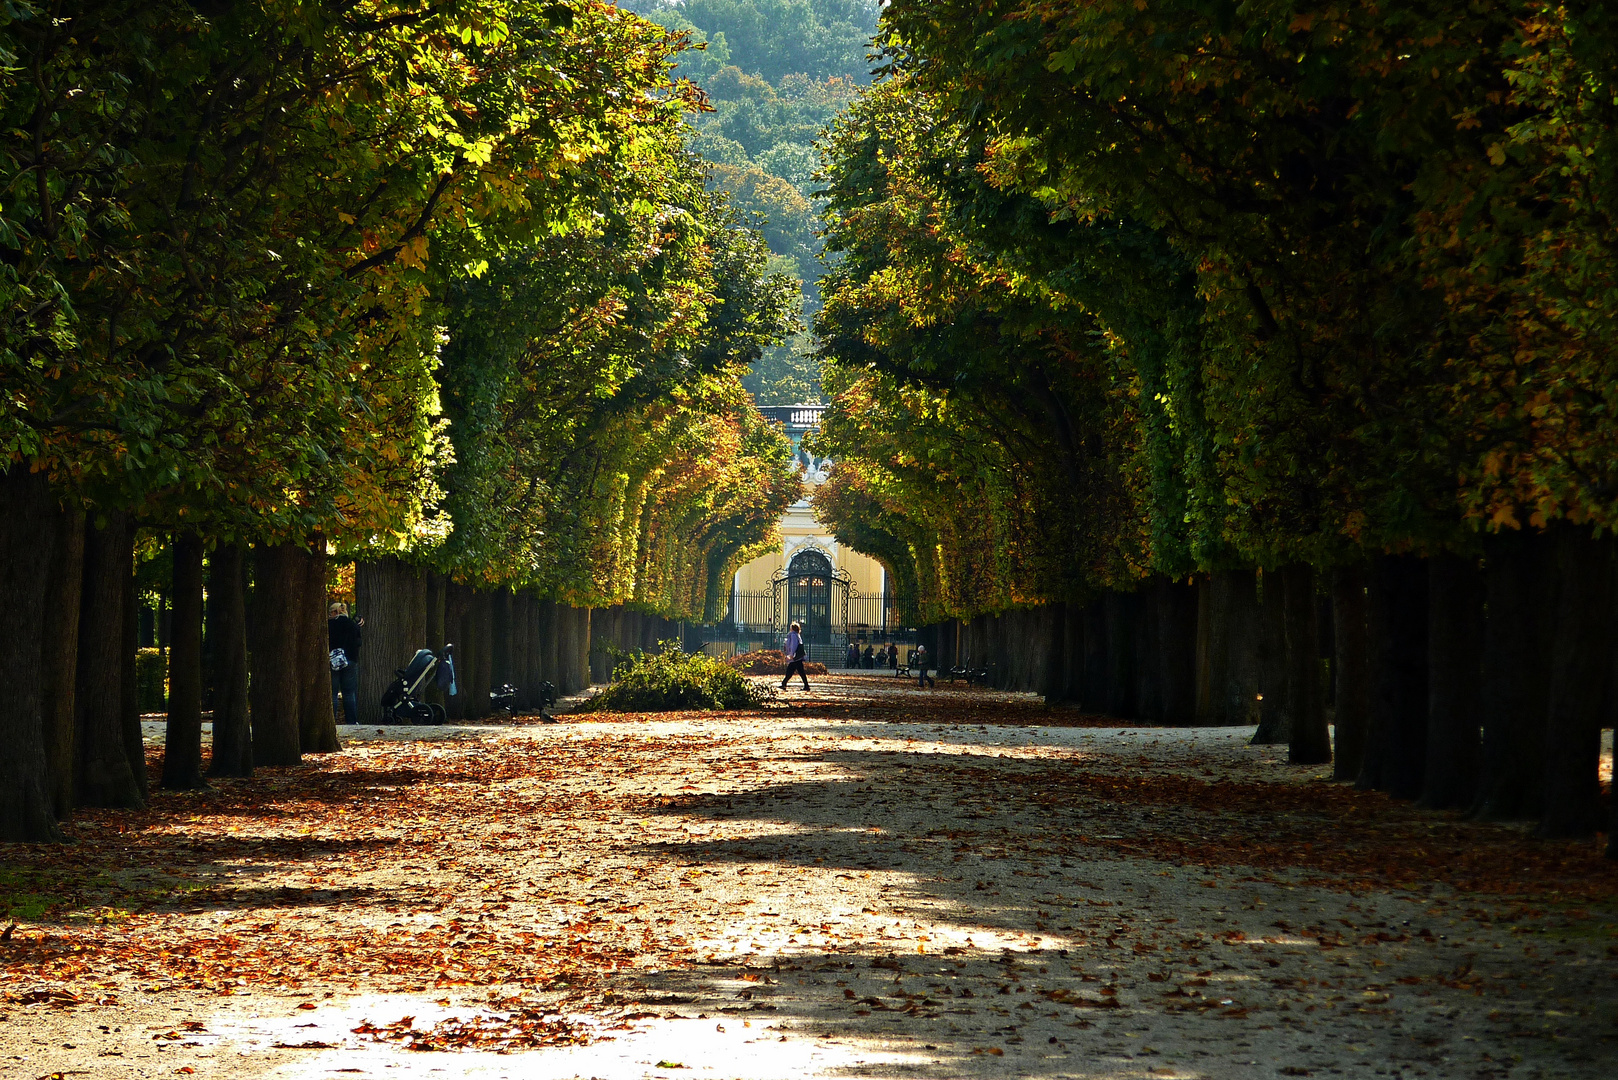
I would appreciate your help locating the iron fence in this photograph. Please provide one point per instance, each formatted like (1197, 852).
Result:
(762, 617)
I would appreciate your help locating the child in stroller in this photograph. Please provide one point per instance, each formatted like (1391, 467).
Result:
(402, 702)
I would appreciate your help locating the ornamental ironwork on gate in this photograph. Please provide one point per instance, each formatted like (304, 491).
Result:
(810, 592)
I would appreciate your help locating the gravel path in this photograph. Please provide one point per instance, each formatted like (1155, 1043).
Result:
(867, 880)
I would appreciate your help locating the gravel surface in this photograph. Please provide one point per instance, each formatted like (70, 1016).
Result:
(866, 880)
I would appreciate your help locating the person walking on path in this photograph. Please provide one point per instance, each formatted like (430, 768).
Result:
(795, 652)
(343, 638)
(919, 660)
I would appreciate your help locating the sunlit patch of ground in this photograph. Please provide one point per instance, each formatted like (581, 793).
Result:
(864, 880)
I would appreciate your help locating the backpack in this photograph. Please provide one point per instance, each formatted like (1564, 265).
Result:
(339, 659)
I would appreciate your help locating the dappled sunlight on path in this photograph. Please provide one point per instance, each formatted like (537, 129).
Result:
(865, 880)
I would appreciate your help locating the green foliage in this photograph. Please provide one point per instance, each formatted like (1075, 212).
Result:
(438, 279)
(603, 448)
(776, 38)
(1302, 283)
(151, 681)
(670, 680)
(776, 73)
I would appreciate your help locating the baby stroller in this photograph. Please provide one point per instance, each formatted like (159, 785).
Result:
(402, 703)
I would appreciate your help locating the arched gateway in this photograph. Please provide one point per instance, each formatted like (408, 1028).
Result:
(809, 582)
(838, 594)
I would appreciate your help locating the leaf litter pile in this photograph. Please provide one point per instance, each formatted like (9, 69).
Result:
(967, 881)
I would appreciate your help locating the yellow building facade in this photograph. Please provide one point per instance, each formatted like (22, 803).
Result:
(838, 594)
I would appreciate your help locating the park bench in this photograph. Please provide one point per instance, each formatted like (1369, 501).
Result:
(972, 675)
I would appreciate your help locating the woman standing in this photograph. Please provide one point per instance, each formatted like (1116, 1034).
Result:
(795, 652)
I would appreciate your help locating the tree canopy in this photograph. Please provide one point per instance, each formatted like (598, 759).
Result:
(1291, 283)
(775, 74)
(356, 269)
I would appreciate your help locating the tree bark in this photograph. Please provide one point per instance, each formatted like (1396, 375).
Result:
(1095, 657)
(500, 634)
(522, 647)
(1177, 651)
(182, 744)
(1053, 673)
(1396, 670)
(227, 606)
(433, 585)
(104, 774)
(483, 627)
(1120, 613)
(64, 593)
(129, 681)
(1071, 676)
(317, 719)
(1243, 677)
(1148, 653)
(1348, 669)
(1308, 743)
(392, 598)
(29, 518)
(581, 652)
(1580, 655)
(548, 634)
(473, 706)
(1516, 675)
(275, 687)
(455, 603)
(1271, 679)
(1204, 700)
(1455, 671)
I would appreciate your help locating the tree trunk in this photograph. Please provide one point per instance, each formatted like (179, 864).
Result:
(581, 658)
(104, 774)
(1120, 609)
(1308, 743)
(1396, 676)
(1071, 677)
(455, 610)
(574, 645)
(1239, 668)
(182, 744)
(29, 518)
(1148, 657)
(1580, 655)
(1455, 673)
(1271, 680)
(1204, 700)
(473, 707)
(1516, 687)
(275, 687)
(129, 682)
(227, 607)
(1177, 651)
(392, 598)
(1053, 673)
(500, 634)
(61, 656)
(549, 632)
(1348, 669)
(433, 585)
(1095, 657)
(523, 648)
(480, 662)
(317, 717)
